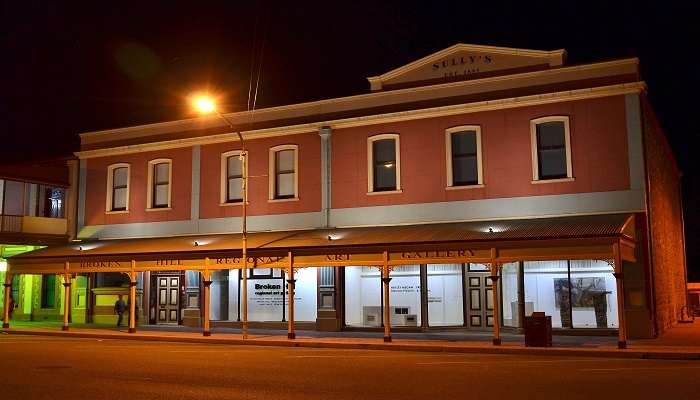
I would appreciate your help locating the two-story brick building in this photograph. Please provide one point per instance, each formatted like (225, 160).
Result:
(468, 189)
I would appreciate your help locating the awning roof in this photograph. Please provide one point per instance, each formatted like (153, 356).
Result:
(552, 232)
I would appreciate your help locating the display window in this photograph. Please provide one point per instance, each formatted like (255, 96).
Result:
(405, 296)
(267, 295)
(510, 295)
(363, 297)
(576, 294)
(593, 294)
(445, 300)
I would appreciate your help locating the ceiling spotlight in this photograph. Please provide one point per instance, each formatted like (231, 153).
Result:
(490, 230)
(80, 248)
(196, 243)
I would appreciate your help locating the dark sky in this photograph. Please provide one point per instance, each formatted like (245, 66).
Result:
(80, 66)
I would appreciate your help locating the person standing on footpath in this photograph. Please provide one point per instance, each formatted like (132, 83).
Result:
(119, 309)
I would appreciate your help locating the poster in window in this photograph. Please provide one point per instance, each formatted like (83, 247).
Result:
(585, 292)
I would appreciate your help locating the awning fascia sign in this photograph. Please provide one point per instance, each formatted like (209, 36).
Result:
(332, 257)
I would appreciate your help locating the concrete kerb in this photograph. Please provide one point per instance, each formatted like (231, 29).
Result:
(394, 346)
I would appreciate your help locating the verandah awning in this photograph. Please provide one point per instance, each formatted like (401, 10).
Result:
(580, 237)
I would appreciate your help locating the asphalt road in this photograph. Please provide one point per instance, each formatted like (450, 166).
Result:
(34, 367)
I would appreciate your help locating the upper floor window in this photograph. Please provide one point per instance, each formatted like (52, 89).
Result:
(383, 163)
(283, 172)
(118, 187)
(49, 201)
(463, 147)
(231, 177)
(551, 148)
(159, 178)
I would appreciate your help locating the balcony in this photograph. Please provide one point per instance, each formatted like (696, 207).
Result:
(33, 225)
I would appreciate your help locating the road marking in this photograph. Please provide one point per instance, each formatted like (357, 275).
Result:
(634, 368)
(500, 362)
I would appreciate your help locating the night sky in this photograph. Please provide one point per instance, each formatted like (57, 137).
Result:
(83, 66)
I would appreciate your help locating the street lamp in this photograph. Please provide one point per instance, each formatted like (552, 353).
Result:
(207, 105)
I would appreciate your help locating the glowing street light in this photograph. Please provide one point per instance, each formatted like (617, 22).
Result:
(207, 105)
(204, 104)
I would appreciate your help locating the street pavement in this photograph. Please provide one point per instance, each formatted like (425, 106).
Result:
(44, 367)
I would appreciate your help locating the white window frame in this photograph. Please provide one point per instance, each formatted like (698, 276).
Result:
(370, 163)
(223, 197)
(533, 144)
(272, 173)
(149, 197)
(448, 156)
(110, 188)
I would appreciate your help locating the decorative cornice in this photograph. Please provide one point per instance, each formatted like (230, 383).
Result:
(490, 105)
(331, 105)
(549, 55)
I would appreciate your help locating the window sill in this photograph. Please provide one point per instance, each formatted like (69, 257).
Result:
(117, 212)
(282, 200)
(385, 192)
(479, 186)
(159, 209)
(238, 203)
(541, 181)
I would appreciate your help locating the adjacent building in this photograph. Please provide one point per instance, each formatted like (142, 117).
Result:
(467, 189)
(37, 208)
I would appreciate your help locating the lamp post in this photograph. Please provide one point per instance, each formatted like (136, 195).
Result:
(206, 105)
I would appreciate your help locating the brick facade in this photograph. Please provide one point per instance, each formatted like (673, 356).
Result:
(666, 226)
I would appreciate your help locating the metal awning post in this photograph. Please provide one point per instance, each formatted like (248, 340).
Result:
(291, 281)
(619, 279)
(206, 279)
(66, 296)
(132, 298)
(6, 304)
(385, 282)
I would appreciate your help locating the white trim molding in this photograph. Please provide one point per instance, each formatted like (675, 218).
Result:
(533, 146)
(110, 188)
(223, 177)
(442, 111)
(149, 189)
(370, 162)
(272, 172)
(448, 156)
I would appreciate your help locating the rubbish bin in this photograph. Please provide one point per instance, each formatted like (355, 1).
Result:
(538, 330)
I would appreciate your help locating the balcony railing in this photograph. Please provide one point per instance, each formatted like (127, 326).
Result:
(35, 225)
(10, 223)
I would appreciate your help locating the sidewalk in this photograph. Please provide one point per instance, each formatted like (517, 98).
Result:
(680, 343)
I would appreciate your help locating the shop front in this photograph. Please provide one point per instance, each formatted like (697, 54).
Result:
(442, 276)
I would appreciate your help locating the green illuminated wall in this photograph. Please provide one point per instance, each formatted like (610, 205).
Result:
(25, 291)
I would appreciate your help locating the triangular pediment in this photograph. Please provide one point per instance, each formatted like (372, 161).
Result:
(466, 61)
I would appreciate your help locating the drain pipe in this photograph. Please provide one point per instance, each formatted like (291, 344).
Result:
(325, 134)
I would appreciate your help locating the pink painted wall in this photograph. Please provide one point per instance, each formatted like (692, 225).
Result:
(258, 164)
(599, 156)
(96, 186)
(598, 146)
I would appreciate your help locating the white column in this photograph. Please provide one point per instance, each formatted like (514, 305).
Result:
(325, 134)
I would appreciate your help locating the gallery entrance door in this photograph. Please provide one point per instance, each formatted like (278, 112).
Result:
(479, 301)
(168, 299)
